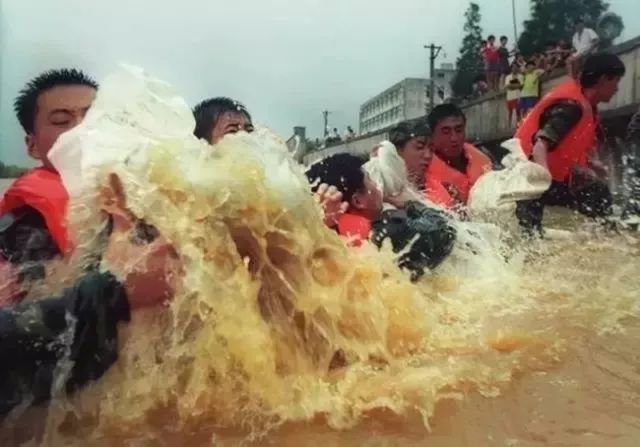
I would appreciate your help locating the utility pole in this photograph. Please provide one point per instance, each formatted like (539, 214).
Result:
(325, 114)
(434, 51)
(515, 26)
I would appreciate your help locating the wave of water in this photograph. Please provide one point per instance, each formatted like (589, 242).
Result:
(281, 335)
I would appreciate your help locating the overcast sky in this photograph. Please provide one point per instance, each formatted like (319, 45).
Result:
(287, 60)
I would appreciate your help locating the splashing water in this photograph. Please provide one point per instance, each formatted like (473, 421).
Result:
(279, 334)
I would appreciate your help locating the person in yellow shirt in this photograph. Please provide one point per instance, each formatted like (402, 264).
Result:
(530, 87)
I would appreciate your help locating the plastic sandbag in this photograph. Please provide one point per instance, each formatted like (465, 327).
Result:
(133, 113)
(130, 112)
(389, 172)
(496, 192)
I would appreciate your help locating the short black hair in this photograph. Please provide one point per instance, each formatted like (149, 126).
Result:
(504, 38)
(530, 62)
(208, 112)
(344, 171)
(26, 103)
(598, 65)
(442, 112)
(491, 36)
(404, 132)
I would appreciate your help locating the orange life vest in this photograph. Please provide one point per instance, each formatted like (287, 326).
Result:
(355, 228)
(440, 172)
(42, 190)
(438, 194)
(574, 148)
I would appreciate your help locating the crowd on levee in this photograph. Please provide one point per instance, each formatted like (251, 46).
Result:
(416, 212)
(509, 70)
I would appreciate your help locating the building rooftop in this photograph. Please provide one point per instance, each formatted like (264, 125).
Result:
(393, 87)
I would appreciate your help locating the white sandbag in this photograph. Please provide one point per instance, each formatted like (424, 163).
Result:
(496, 192)
(389, 172)
(131, 111)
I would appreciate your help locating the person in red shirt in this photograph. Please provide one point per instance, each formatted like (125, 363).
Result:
(492, 62)
(346, 174)
(424, 235)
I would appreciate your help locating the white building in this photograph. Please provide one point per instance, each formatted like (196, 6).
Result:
(403, 101)
(406, 100)
(443, 77)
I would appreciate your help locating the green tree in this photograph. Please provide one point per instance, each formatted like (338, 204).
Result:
(469, 62)
(554, 20)
(10, 171)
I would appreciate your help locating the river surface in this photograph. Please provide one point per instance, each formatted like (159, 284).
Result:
(280, 335)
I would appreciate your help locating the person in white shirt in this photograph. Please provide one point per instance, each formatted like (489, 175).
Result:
(585, 41)
(513, 86)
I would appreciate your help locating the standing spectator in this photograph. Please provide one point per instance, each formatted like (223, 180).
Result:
(350, 134)
(564, 49)
(336, 135)
(480, 86)
(520, 61)
(585, 41)
(485, 62)
(503, 57)
(554, 56)
(540, 60)
(513, 86)
(530, 87)
(492, 62)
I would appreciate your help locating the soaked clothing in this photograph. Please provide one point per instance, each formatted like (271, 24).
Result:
(32, 228)
(79, 328)
(592, 199)
(27, 245)
(425, 230)
(557, 121)
(25, 241)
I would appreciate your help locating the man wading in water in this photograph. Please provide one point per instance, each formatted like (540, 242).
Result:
(561, 134)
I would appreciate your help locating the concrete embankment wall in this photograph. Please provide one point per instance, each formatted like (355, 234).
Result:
(360, 146)
(487, 116)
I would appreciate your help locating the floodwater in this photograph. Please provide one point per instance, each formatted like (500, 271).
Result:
(280, 335)
(539, 350)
